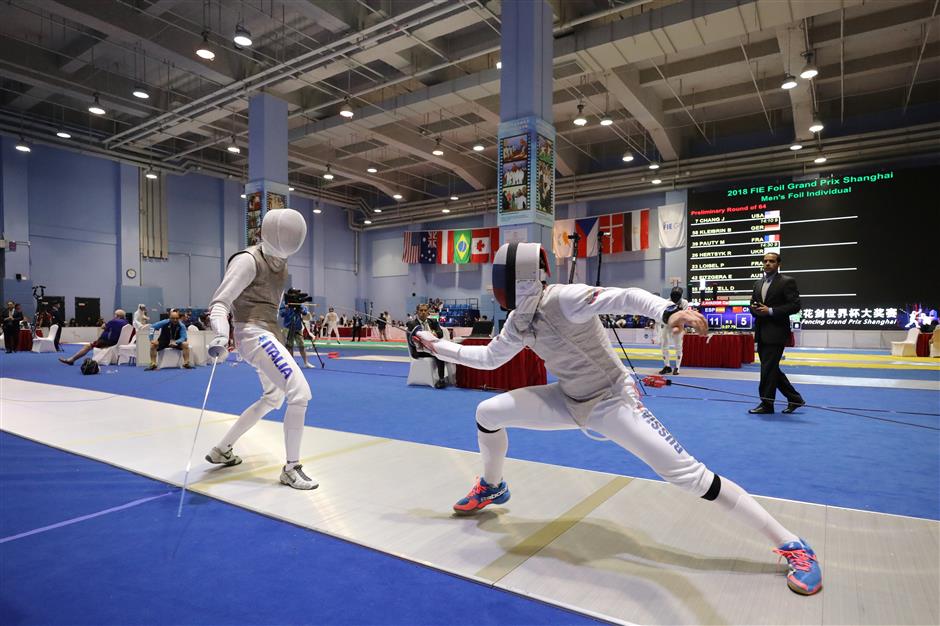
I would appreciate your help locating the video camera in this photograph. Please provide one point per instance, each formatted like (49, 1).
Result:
(296, 298)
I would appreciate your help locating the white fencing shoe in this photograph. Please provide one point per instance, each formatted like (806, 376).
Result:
(228, 458)
(296, 478)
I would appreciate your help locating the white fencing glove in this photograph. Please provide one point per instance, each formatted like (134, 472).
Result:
(218, 347)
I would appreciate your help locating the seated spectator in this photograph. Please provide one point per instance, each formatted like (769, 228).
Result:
(425, 323)
(188, 320)
(109, 337)
(172, 335)
(72, 322)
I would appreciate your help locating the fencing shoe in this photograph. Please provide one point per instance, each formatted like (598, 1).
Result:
(805, 575)
(227, 458)
(482, 495)
(295, 477)
(665, 370)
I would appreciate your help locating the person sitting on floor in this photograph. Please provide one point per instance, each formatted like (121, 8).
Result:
(108, 337)
(172, 335)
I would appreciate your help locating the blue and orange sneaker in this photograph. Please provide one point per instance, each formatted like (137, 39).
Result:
(805, 575)
(482, 495)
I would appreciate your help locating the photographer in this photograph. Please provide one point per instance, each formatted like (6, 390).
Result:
(292, 312)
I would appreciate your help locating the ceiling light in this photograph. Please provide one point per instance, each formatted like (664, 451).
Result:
(796, 145)
(372, 169)
(63, 135)
(151, 174)
(479, 147)
(290, 189)
(654, 165)
(96, 107)
(140, 92)
(376, 210)
(317, 211)
(367, 222)
(656, 181)
(242, 37)
(455, 198)
(788, 82)
(816, 125)
(606, 121)
(328, 175)
(580, 120)
(437, 151)
(810, 71)
(397, 196)
(243, 196)
(234, 149)
(445, 210)
(499, 65)
(820, 160)
(22, 146)
(204, 51)
(346, 110)
(627, 157)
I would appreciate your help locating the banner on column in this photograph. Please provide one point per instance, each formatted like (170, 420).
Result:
(262, 196)
(672, 225)
(526, 172)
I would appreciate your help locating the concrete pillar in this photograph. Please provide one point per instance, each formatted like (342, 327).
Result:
(267, 162)
(14, 198)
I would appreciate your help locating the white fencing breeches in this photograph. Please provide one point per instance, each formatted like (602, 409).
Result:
(666, 337)
(281, 379)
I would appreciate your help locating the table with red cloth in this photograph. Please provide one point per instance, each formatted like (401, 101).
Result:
(346, 331)
(26, 340)
(923, 344)
(724, 350)
(524, 370)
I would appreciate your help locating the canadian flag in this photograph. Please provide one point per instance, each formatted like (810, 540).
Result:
(483, 241)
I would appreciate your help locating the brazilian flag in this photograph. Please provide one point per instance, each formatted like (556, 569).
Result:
(462, 240)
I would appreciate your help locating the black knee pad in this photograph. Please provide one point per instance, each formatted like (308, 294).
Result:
(483, 430)
(714, 490)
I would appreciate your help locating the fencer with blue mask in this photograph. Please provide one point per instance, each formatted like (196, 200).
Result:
(594, 392)
(251, 291)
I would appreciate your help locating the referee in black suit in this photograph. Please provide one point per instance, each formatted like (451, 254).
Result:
(431, 325)
(774, 300)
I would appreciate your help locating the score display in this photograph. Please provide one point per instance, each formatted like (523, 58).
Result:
(842, 237)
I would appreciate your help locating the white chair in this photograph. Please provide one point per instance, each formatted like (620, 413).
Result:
(109, 356)
(46, 344)
(908, 347)
(169, 357)
(128, 352)
(424, 372)
(935, 343)
(198, 352)
(143, 346)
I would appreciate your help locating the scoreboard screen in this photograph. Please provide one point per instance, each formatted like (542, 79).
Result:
(847, 239)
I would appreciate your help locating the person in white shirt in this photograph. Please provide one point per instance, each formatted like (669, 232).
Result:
(331, 325)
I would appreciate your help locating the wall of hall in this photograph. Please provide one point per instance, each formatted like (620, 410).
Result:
(74, 233)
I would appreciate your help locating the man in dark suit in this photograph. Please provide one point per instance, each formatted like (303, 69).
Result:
(425, 323)
(774, 300)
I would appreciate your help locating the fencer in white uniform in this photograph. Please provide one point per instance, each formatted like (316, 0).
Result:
(331, 325)
(594, 392)
(251, 289)
(669, 335)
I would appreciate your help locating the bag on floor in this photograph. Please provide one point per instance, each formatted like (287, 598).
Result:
(89, 366)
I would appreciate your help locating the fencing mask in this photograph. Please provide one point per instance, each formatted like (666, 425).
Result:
(282, 233)
(676, 294)
(518, 269)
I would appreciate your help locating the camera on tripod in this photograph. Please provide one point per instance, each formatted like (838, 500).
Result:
(296, 298)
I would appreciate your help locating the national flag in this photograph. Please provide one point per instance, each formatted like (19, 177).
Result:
(772, 237)
(430, 240)
(561, 238)
(772, 214)
(775, 226)
(482, 245)
(445, 251)
(462, 239)
(412, 249)
(612, 242)
(636, 230)
(587, 230)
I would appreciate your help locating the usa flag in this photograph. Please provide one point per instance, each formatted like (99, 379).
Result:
(412, 249)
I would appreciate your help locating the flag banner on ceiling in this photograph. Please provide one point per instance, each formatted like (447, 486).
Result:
(561, 238)
(672, 225)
